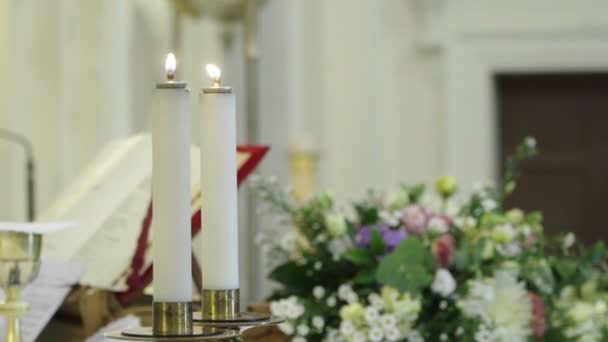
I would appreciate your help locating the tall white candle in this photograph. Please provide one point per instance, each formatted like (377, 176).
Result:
(219, 231)
(171, 245)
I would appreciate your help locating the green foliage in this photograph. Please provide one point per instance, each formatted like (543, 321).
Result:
(408, 268)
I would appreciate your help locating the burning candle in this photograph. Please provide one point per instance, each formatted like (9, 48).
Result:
(172, 249)
(219, 231)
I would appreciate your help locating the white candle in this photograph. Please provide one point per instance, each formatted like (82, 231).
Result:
(171, 245)
(220, 255)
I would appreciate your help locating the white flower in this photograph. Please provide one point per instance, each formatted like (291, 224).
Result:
(437, 226)
(484, 335)
(396, 199)
(371, 314)
(489, 204)
(359, 336)
(318, 265)
(504, 233)
(336, 224)
(321, 238)
(569, 240)
(393, 334)
(376, 301)
(414, 336)
(390, 218)
(318, 292)
(347, 328)
(275, 308)
(443, 337)
(375, 334)
(318, 322)
(511, 250)
(303, 329)
(337, 247)
(530, 142)
(331, 301)
(487, 251)
(443, 305)
(388, 321)
(352, 297)
(298, 339)
(344, 290)
(289, 242)
(459, 331)
(444, 283)
(286, 328)
(503, 305)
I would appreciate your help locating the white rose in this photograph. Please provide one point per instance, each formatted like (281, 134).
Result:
(444, 284)
(336, 224)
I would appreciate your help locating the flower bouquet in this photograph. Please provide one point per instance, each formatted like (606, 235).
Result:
(418, 265)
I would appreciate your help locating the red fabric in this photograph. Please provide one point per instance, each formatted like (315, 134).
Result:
(137, 280)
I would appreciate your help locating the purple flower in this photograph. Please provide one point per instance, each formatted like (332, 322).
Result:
(364, 235)
(391, 237)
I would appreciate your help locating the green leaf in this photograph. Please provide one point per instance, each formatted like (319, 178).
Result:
(416, 192)
(291, 275)
(535, 217)
(365, 277)
(598, 252)
(408, 268)
(358, 256)
(567, 270)
(377, 243)
(367, 214)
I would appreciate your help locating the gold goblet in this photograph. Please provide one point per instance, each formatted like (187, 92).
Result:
(19, 264)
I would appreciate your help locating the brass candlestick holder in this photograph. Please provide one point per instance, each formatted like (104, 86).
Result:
(172, 321)
(220, 319)
(221, 309)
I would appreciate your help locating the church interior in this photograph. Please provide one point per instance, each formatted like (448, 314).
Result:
(303, 170)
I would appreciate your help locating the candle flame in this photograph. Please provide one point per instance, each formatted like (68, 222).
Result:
(215, 73)
(170, 65)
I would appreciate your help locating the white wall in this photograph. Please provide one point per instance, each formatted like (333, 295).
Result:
(359, 86)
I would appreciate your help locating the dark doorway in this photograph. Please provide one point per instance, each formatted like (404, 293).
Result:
(568, 115)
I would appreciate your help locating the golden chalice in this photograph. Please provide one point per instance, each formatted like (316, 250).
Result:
(19, 264)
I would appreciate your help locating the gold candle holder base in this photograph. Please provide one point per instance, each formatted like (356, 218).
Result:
(220, 309)
(198, 334)
(172, 321)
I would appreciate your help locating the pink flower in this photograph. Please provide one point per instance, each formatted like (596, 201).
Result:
(539, 322)
(444, 248)
(415, 219)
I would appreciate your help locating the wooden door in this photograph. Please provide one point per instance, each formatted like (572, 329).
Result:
(568, 115)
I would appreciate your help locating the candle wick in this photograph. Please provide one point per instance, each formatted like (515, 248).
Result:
(170, 76)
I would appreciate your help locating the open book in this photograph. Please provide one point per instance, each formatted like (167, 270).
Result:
(110, 200)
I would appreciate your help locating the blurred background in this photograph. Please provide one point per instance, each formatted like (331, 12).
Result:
(350, 94)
